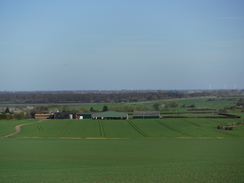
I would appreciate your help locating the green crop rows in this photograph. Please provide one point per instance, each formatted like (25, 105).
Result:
(135, 151)
(147, 128)
(150, 150)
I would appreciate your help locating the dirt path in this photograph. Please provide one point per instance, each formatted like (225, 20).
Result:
(18, 129)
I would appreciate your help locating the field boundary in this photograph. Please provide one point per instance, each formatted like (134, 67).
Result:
(18, 129)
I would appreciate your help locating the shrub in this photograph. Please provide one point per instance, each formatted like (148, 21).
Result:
(19, 116)
(192, 106)
(6, 116)
(228, 128)
(220, 127)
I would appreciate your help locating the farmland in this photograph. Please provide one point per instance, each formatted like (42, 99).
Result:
(147, 128)
(200, 103)
(151, 150)
(7, 126)
(122, 160)
(170, 150)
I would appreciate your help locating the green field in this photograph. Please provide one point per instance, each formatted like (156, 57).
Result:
(146, 105)
(147, 128)
(122, 160)
(7, 126)
(121, 151)
(199, 102)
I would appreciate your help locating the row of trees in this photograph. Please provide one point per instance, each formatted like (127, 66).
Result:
(130, 96)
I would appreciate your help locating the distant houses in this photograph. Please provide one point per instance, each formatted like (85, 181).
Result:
(74, 115)
(64, 115)
(110, 115)
(100, 115)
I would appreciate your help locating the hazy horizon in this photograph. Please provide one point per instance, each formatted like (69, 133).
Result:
(116, 45)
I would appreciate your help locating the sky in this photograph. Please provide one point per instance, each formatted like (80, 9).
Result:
(121, 44)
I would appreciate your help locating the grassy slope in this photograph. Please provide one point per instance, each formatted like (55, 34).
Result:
(122, 160)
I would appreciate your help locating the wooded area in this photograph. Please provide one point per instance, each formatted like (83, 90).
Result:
(108, 97)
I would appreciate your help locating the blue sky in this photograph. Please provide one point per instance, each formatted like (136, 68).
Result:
(115, 44)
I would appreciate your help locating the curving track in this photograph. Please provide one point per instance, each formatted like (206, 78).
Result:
(18, 129)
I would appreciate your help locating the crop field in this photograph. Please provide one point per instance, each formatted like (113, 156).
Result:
(134, 128)
(122, 160)
(200, 103)
(7, 126)
(168, 150)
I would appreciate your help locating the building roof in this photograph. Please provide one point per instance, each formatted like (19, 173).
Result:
(84, 113)
(110, 114)
(146, 113)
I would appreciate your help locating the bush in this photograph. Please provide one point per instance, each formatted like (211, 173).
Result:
(6, 116)
(220, 127)
(242, 109)
(19, 116)
(12, 116)
(192, 106)
(228, 128)
(171, 104)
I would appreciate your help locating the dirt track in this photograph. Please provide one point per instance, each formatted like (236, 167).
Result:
(18, 129)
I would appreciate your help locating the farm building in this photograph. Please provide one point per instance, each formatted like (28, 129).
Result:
(146, 114)
(110, 115)
(43, 116)
(87, 115)
(64, 115)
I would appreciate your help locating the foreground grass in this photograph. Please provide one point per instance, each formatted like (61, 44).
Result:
(122, 160)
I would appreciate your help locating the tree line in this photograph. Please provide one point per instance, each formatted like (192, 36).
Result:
(111, 97)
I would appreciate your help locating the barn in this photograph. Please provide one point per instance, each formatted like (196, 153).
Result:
(64, 115)
(146, 114)
(84, 115)
(43, 116)
(110, 115)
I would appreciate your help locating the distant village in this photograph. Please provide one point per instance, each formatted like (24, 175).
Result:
(15, 113)
(36, 105)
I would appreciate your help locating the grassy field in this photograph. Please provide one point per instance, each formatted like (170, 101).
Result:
(122, 160)
(147, 128)
(7, 126)
(200, 103)
(121, 151)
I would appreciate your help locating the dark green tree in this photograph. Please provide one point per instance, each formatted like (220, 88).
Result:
(156, 106)
(65, 108)
(240, 102)
(242, 109)
(7, 111)
(174, 104)
(192, 106)
(92, 110)
(105, 108)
